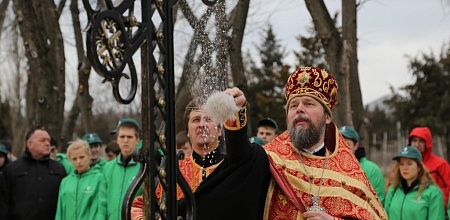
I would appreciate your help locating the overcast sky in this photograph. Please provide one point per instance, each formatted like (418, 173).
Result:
(387, 31)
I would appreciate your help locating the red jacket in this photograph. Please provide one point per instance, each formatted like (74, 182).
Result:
(438, 167)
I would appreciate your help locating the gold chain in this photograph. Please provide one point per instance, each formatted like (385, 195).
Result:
(315, 198)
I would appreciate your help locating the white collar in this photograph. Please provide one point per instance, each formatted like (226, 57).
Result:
(314, 151)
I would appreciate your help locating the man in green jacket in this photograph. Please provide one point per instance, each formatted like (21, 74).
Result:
(372, 171)
(60, 157)
(95, 143)
(120, 172)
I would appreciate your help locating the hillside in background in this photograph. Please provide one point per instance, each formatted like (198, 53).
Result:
(379, 103)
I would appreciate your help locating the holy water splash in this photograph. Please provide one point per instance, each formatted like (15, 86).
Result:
(207, 55)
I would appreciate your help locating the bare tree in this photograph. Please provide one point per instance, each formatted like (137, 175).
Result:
(83, 100)
(341, 56)
(17, 128)
(238, 20)
(3, 8)
(234, 21)
(44, 50)
(13, 98)
(349, 33)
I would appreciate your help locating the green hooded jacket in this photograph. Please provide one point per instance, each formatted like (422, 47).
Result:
(401, 206)
(375, 177)
(82, 196)
(101, 163)
(118, 178)
(68, 166)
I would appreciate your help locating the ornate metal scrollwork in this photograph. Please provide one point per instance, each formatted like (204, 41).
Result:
(114, 35)
(112, 41)
(107, 44)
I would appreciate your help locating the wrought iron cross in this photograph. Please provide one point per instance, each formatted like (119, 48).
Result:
(113, 36)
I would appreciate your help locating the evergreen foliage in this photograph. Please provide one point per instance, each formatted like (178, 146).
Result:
(266, 82)
(380, 121)
(426, 102)
(312, 52)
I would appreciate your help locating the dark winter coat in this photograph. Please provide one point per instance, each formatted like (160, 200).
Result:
(238, 186)
(29, 188)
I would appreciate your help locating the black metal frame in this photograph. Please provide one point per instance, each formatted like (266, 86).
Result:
(113, 36)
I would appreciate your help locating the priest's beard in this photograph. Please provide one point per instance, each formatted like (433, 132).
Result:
(304, 138)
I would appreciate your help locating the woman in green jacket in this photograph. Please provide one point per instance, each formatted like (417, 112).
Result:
(82, 194)
(413, 194)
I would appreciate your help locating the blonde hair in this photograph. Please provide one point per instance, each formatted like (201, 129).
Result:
(78, 144)
(424, 177)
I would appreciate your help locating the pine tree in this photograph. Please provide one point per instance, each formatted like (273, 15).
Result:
(426, 102)
(266, 82)
(312, 52)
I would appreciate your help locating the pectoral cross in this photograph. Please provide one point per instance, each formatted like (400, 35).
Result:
(315, 206)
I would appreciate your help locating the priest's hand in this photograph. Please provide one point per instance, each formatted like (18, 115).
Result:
(239, 97)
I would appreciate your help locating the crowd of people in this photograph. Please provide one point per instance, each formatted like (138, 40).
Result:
(312, 170)
(81, 184)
